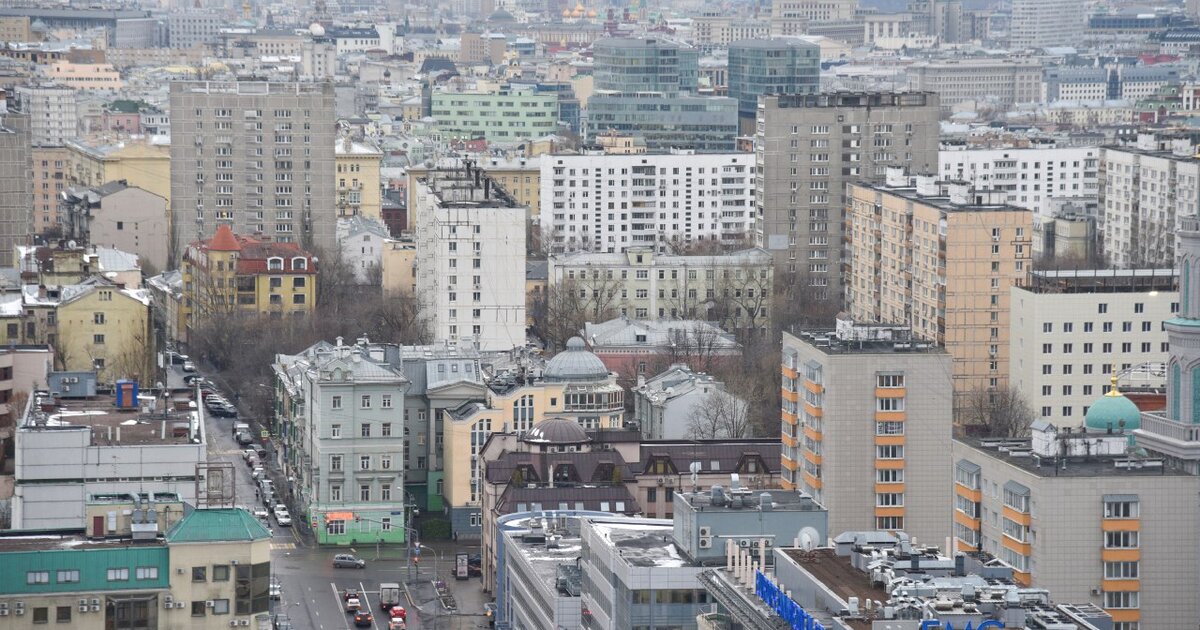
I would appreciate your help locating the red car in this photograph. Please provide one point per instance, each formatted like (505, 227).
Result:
(363, 619)
(397, 612)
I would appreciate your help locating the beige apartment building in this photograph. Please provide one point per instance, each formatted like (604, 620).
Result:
(733, 289)
(866, 406)
(85, 76)
(1085, 521)
(50, 169)
(940, 258)
(1001, 82)
(140, 164)
(1071, 329)
(808, 147)
(358, 179)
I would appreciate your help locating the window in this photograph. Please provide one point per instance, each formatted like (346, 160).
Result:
(37, 577)
(889, 404)
(335, 463)
(98, 340)
(385, 429)
(385, 462)
(365, 401)
(1102, 308)
(385, 492)
(220, 573)
(199, 574)
(335, 528)
(365, 429)
(889, 475)
(889, 428)
(1121, 599)
(62, 614)
(891, 451)
(337, 402)
(890, 380)
(97, 318)
(1121, 570)
(335, 493)
(198, 608)
(1121, 509)
(69, 576)
(147, 573)
(386, 401)
(1139, 307)
(889, 499)
(41, 615)
(364, 492)
(220, 607)
(364, 462)
(118, 575)
(1120, 540)
(335, 430)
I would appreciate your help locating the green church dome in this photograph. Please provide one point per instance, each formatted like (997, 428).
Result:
(1111, 410)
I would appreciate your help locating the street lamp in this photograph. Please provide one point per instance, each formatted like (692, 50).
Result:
(436, 556)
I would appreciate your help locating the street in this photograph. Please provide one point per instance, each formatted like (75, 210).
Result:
(312, 588)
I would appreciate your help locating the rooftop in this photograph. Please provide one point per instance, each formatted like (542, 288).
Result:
(745, 499)
(217, 525)
(856, 338)
(643, 543)
(1101, 281)
(851, 99)
(468, 186)
(14, 540)
(1019, 453)
(111, 426)
(547, 555)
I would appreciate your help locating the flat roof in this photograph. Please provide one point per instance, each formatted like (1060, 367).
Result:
(112, 426)
(780, 501)
(839, 576)
(1018, 453)
(642, 543)
(49, 540)
(827, 341)
(545, 558)
(943, 202)
(1101, 281)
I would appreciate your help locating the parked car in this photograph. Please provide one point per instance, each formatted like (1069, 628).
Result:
(253, 462)
(363, 619)
(284, 519)
(224, 410)
(348, 561)
(188, 366)
(276, 590)
(261, 514)
(257, 472)
(259, 450)
(244, 438)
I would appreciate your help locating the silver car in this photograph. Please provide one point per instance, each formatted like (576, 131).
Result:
(348, 561)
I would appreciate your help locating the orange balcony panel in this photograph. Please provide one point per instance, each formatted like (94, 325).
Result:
(1121, 524)
(815, 388)
(889, 464)
(889, 511)
(1017, 517)
(889, 440)
(890, 392)
(1121, 585)
(1024, 578)
(967, 493)
(889, 416)
(812, 434)
(789, 440)
(889, 487)
(966, 521)
(1124, 614)
(1024, 549)
(792, 396)
(812, 457)
(812, 481)
(813, 411)
(964, 547)
(789, 464)
(786, 485)
(788, 372)
(788, 417)
(1120, 555)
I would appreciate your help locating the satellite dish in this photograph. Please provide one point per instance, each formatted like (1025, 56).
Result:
(694, 467)
(808, 538)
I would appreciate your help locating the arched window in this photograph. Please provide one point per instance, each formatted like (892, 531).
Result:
(299, 263)
(275, 264)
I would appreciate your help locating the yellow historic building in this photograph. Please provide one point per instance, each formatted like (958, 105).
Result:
(357, 166)
(143, 165)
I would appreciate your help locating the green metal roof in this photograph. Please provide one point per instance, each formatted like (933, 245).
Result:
(217, 525)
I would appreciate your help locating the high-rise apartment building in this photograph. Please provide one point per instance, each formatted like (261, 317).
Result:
(1073, 328)
(52, 113)
(1144, 190)
(463, 219)
(50, 175)
(607, 203)
(1076, 513)
(866, 407)
(808, 148)
(771, 66)
(16, 194)
(256, 156)
(1043, 23)
(939, 258)
(646, 87)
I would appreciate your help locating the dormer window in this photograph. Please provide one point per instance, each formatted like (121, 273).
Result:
(299, 263)
(275, 264)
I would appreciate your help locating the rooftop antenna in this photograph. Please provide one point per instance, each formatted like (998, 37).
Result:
(694, 467)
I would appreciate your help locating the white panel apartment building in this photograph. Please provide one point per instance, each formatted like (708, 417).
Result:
(1143, 190)
(607, 203)
(1030, 178)
(1071, 330)
(1042, 23)
(470, 261)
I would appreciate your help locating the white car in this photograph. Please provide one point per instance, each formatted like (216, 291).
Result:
(188, 366)
(281, 510)
(261, 514)
(284, 519)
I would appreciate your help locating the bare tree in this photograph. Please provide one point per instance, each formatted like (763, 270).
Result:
(998, 412)
(561, 311)
(743, 299)
(719, 415)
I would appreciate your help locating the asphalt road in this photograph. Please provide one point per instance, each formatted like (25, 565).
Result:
(312, 588)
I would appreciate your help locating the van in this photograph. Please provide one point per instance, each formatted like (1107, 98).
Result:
(239, 427)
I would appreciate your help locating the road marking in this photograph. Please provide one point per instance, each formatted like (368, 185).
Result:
(286, 545)
(337, 597)
(367, 601)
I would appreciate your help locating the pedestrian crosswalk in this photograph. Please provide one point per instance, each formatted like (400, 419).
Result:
(283, 545)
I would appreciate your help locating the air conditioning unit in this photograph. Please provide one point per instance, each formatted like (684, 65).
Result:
(244, 622)
(95, 601)
(705, 531)
(83, 608)
(179, 571)
(706, 543)
(83, 602)
(3, 612)
(95, 607)
(744, 543)
(233, 623)
(181, 604)
(209, 604)
(167, 605)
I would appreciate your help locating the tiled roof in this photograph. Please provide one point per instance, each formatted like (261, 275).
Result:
(217, 525)
(224, 240)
